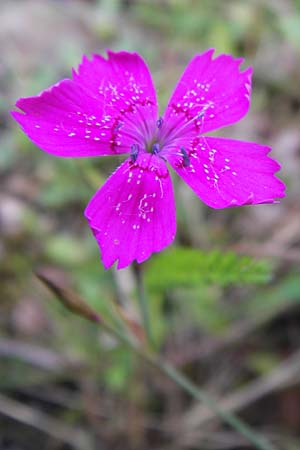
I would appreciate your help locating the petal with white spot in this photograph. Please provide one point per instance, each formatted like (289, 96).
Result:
(211, 94)
(65, 120)
(125, 82)
(133, 214)
(226, 172)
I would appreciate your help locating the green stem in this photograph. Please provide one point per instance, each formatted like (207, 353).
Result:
(181, 380)
(197, 393)
(78, 305)
(256, 439)
(142, 300)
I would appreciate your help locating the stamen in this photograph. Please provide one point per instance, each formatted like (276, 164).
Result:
(134, 152)
(185, 156)
(159, 122)
(155, 148)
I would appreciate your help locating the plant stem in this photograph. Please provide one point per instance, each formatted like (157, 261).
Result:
(197, 393)
(79, 306)
(142, 300)
(181, 380)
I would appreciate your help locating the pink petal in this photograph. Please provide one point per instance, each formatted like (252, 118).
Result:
(122, 72)
(226, 172)
(133, 214)
(209, 95)
(65, 120)
(107, 107)
(126, 84)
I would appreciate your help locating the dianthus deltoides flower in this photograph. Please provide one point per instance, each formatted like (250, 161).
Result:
(109, 107)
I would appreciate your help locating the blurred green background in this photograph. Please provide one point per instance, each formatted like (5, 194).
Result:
(230, 322)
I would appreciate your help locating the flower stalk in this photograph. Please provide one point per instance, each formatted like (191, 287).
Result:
(142, 301)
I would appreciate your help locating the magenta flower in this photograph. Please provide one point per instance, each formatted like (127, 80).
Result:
(109, 107)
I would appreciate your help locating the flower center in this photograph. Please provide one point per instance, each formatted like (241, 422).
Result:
(154, 145)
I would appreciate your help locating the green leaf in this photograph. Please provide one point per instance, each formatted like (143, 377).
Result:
(191, 267)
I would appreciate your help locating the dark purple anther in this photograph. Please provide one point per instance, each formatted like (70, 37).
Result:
(134, 152)
(159, 122)
(185, 156)
(155, 148)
